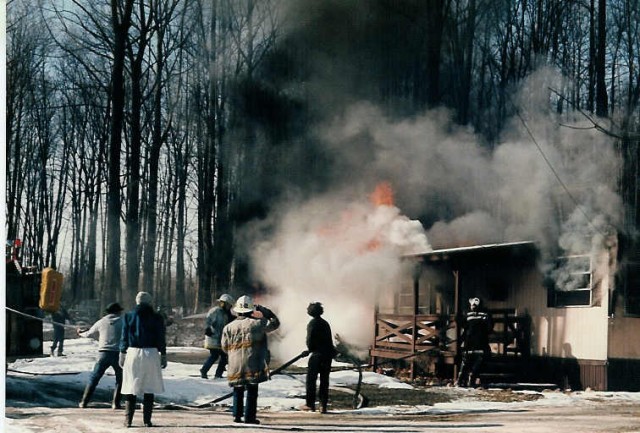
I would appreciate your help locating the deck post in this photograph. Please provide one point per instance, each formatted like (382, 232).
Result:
(456, 302)
(415, 326)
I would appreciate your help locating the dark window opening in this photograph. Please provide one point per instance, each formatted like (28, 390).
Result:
(570, 282)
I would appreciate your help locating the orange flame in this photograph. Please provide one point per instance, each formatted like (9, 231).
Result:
(382, 195)
(372, 245)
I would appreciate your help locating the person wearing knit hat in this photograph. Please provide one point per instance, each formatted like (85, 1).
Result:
(143, 355)
(320, 346)
(109, 330)
(144, 298)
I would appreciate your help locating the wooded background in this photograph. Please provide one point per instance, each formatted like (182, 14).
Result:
(142, 135)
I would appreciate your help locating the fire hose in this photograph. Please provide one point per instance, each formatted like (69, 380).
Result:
(40, 318)
(272, 373)
(358, 400)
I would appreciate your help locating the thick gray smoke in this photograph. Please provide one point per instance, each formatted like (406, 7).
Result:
(323, 247)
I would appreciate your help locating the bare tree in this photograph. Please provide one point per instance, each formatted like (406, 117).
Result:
(162, 18)
(24, 64)
(121, 13)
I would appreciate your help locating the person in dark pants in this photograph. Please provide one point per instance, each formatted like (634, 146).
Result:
(143, 355)
(217, 318)
(109, 330)
(59, 319)
(475, 342)
(245, 342)
(320, 346)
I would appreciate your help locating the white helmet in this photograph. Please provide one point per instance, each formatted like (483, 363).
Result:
(244, 304)
(226, 298)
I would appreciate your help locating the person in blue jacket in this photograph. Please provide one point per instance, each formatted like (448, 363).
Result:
(59, 319)
(143, 355)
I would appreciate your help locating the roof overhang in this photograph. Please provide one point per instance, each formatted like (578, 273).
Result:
(527, 248)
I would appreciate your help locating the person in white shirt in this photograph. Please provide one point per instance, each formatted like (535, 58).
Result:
(109, 330)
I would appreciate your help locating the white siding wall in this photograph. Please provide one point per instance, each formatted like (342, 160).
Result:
(572, 332)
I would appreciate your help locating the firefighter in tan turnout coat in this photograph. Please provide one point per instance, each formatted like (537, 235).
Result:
(245, 342)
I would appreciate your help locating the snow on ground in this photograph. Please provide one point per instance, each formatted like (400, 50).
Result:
(183, 386)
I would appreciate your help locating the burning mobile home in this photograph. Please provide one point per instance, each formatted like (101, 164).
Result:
(546, 328)
(552, 323)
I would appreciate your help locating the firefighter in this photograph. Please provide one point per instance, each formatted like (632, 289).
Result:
(245, 342)
(217, 318)
(476, 328)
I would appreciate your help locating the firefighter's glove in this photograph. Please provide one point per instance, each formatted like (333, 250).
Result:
(305, 353)
(208, 332)
(123, 356)
(267, 313)
(163, 361)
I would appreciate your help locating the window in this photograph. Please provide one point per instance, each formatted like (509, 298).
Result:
(570, 282)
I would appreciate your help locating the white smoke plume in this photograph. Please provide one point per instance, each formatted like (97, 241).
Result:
(340, 252)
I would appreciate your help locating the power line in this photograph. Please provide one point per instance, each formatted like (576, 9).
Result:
(553, 170)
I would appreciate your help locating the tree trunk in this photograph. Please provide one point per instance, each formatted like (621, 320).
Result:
(602, 103)
(434, 32)
(120, 24)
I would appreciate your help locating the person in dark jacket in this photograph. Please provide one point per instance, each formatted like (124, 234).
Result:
(109, 330)
(320, 346)
(143, 355)
(475, 342)
(245, 342)
(59, 319)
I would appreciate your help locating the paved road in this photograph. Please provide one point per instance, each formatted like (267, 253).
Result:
(605, 417)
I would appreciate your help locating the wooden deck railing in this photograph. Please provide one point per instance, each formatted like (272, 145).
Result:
(406, 337)
(511, 333)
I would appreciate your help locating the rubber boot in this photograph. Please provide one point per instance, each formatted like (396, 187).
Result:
(250, 409)
(117, 397)
(129, 409)
(472, 381)
(86, 396)
(147, 409)
(238, 403)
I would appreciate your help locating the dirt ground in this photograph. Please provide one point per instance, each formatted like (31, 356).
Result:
(603, 417)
